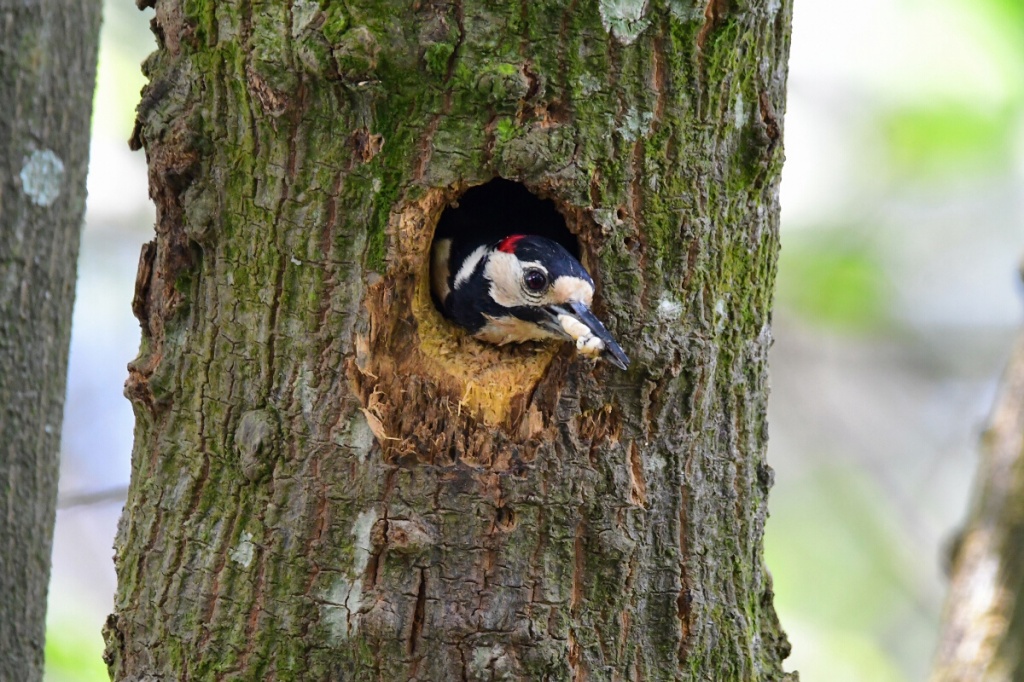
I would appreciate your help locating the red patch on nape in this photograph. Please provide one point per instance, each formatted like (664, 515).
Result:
(508, 244)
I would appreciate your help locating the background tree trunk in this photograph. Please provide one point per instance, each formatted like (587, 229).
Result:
(329, 481)
(983, 626)
(47, 73)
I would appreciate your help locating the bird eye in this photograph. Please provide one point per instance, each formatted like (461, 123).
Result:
(535, 280)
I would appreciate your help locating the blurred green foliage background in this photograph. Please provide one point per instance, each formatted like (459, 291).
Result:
(896, 302)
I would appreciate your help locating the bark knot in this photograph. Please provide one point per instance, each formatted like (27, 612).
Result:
(255, 438)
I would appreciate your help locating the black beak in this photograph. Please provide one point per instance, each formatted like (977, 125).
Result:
(612, 351)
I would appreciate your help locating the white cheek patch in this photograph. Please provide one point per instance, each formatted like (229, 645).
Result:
(566, 289)
(505, 272)
(586, 342)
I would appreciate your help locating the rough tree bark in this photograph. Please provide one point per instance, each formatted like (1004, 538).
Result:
(329, 481)
(983, 626)
(47, 72)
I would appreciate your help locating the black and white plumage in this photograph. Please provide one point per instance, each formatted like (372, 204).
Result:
(519, 288)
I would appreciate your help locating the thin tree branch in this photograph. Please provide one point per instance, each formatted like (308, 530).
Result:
(983, 625)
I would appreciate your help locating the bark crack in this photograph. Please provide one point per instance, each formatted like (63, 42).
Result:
(214, 589)
(379, 542)
(453, 59)
(192, 506)
(418, 613)
(578, 569)
(659, 79)
(714, 15)
(255, 610)
(683, 599)
(446, 99)
(575, 669)
(769, 121)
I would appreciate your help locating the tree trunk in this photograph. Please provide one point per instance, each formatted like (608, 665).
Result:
(329, 480)
(983, 626)
(47, 72)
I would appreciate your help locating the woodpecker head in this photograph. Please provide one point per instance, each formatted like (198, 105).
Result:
(520, 288)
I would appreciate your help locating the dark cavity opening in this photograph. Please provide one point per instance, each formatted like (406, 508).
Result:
(496, 209)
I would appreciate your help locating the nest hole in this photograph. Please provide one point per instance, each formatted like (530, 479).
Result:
(490, 378)
(502, 207)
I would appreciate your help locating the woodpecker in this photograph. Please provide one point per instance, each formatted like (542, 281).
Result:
(520, 288)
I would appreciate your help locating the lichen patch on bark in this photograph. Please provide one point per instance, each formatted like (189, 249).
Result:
(243, 551)
(341, 603)
(42, 176)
